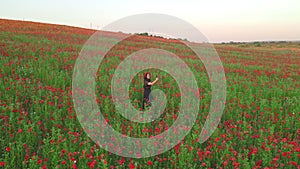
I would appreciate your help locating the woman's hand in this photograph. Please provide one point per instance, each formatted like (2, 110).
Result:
(152, 83)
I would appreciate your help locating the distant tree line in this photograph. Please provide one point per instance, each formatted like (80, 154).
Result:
(150, 35)
(258, 42)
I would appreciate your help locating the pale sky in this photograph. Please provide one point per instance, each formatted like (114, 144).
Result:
(218, 20)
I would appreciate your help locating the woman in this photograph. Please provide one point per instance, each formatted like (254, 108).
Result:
(147, 88)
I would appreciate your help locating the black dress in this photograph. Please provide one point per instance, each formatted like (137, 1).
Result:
(147, 90)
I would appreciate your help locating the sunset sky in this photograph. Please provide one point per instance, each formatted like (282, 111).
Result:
(218, 20)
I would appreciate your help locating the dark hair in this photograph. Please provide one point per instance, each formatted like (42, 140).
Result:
(145, 75)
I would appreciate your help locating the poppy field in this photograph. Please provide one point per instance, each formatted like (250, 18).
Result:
(260, 126)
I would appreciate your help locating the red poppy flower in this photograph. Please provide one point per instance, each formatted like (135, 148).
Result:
(131, 166)
(294, 163)
(2, 164)
(150, 163)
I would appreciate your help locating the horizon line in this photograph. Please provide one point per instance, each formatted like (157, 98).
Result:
(150, 33)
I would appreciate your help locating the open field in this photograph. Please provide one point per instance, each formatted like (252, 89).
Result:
(260, 127)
